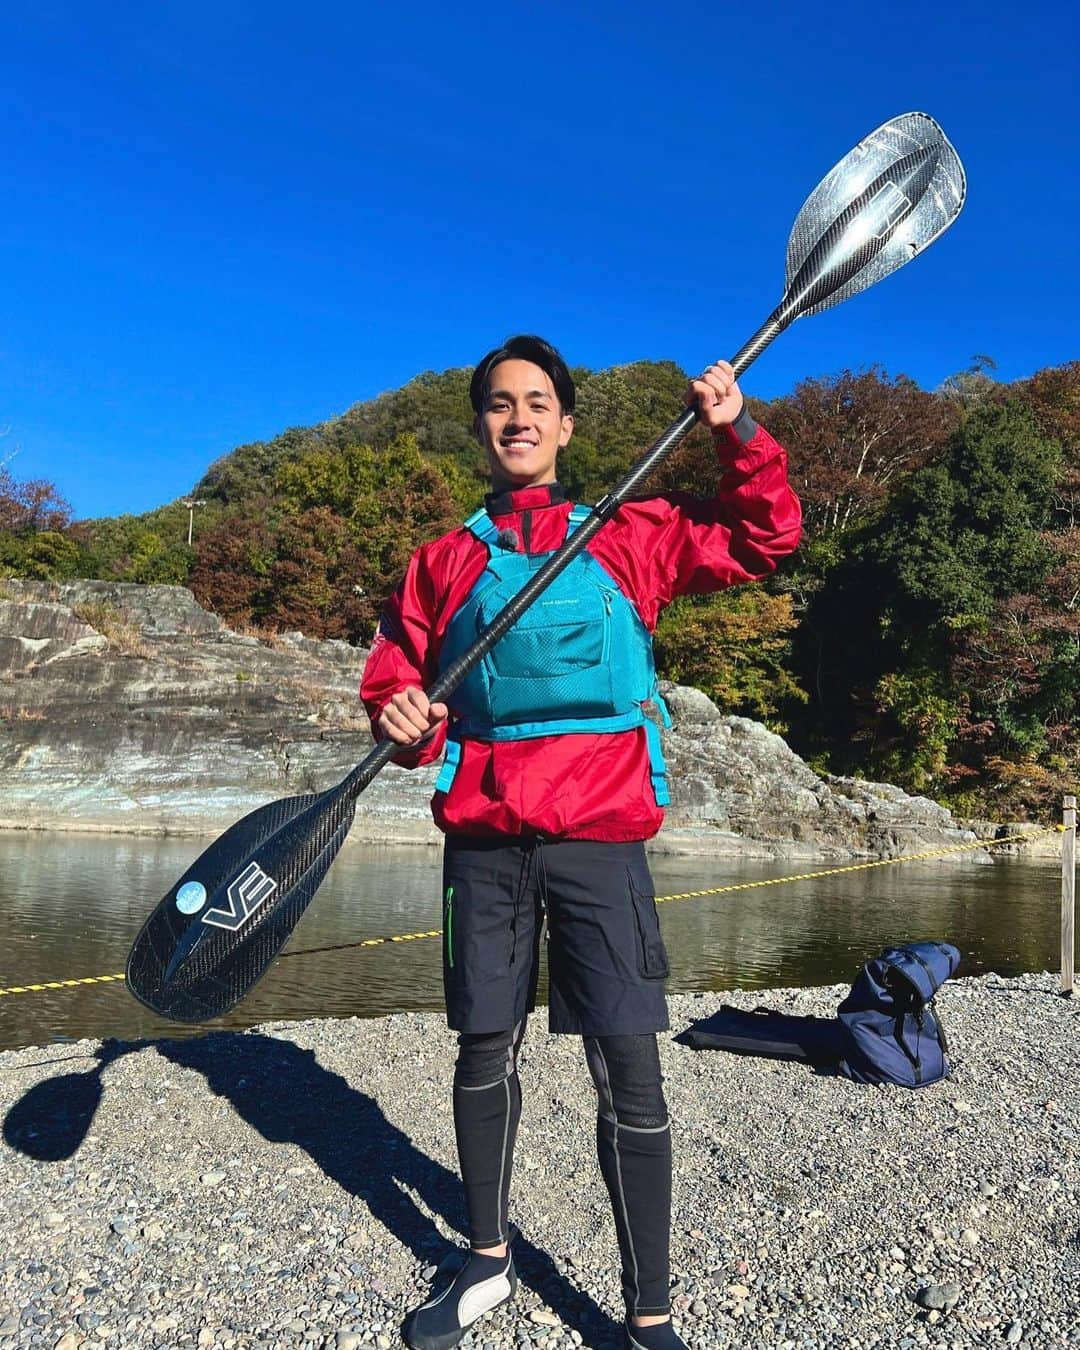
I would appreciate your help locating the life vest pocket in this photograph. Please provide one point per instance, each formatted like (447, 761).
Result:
(565, 635)
(554, 663)
(567, 631)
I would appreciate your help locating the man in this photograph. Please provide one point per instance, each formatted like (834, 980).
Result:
(553, 779)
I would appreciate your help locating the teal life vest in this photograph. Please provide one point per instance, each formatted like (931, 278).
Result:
(578, 660)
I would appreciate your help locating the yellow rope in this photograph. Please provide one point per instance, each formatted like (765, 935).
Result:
(59, 984)
(862, 867)
(660, 899)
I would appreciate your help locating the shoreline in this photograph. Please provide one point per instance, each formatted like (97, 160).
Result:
(678, 840)
(295, 1185)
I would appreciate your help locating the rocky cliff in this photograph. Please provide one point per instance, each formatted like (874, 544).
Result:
(130, 708)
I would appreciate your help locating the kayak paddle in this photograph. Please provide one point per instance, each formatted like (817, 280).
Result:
(217, 930)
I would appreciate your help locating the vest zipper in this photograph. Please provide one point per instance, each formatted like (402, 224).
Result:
(526, 531)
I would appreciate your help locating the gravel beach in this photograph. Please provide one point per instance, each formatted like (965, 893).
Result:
(296, 1186)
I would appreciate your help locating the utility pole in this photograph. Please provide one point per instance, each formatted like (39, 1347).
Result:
(191, 505)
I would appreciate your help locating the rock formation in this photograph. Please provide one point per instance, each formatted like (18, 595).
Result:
(127, 707)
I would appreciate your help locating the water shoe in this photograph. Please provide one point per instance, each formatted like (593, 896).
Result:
(483, 1283)
(660, 1336)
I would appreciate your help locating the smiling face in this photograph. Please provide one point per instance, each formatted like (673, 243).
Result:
(521, 425)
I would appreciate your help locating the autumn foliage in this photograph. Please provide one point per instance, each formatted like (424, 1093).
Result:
(321, 552)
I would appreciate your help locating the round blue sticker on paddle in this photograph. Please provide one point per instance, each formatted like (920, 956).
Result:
(191, 897)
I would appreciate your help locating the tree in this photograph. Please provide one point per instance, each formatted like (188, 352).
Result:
(150, 548)
(30, 506)
(231, 572)
(974, 386)
(850, 437)
(620, 411)
(324, 551)
(967, 530)
(938, 642)
(35, 530)
(732, 646)
(1053, 395)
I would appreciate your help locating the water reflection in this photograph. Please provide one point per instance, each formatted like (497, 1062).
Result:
(71, 904)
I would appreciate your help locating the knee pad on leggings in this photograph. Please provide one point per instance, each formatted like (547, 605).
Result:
(626, 1071)
(486, 1059)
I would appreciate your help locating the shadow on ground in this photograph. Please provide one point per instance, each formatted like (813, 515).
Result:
(282, 1091)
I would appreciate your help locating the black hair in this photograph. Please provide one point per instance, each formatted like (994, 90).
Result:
(524, 347)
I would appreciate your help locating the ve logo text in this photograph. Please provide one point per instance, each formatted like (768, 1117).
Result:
(250, 889)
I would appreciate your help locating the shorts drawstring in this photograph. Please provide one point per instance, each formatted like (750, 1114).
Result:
(541, 871)
(532, 864)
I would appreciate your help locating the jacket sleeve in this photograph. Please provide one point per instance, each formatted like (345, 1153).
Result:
(699, 544)
(401, 655)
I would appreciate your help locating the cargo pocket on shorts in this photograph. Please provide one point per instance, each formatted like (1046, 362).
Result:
(651, 954)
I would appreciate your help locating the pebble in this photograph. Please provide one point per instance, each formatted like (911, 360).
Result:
(799, 1224)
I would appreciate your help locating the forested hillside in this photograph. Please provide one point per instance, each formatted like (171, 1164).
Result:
(928, 630)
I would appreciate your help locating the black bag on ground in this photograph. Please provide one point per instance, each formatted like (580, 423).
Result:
(768, 1034)
(886, 1030)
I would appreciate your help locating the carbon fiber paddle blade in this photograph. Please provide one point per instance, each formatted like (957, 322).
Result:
(885, 202)
(215, 933)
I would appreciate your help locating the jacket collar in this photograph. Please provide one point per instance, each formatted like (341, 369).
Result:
(524, 499)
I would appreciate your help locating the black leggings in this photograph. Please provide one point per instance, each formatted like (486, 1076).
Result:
(633, 1142)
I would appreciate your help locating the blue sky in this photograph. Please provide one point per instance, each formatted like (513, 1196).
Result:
(223, 220)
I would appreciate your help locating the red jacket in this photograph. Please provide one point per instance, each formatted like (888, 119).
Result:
(581, 786)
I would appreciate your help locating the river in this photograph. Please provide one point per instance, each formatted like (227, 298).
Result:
(71, 904)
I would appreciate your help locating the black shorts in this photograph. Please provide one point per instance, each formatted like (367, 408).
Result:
(606, 959)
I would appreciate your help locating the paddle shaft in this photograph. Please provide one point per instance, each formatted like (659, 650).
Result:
(602, 512)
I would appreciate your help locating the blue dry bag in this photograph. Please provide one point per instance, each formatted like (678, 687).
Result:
(889, 1027)
(887, 1030)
